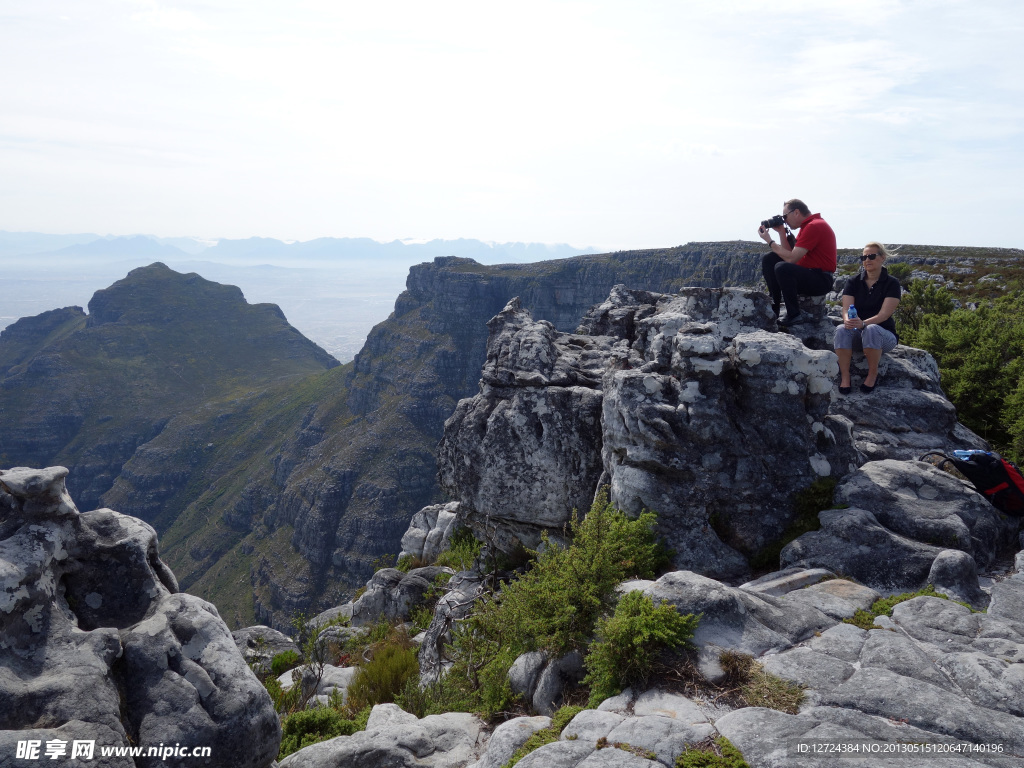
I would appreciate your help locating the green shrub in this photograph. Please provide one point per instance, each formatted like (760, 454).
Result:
(314, 725)
(981, 361)
(284, 701)
(899, 269)
(384, 676)
(463, 550)
(629, 641)
(544, 736)
(717, 753)
(553, 607)
(284, 661)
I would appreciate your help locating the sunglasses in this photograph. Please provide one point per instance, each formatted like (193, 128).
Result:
(871, 256)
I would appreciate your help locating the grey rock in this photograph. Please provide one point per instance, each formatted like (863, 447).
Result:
(558, 754)
(853, 542)
(918, 501)
(989, 682)
(921, 704)
(464, 589)
(186, 682)
(666, 737)
(782, 582)
(592, 724)
(856, 594)
(817, 671)
(903, 515)
(897, 653)
(612, 757)
(507, 738)
(391, 594)
(843, 641)
(764, 735)
(523, 674)
(647, 395)
(429, 531)
(907, 415)
(955, 574)
(1008, 599)
(734, 619)
(397, 739)
(665, 704)
(96, 638)
(553, 679)
(332, 615)
(260, 644)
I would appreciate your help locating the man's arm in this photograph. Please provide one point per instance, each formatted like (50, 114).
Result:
(782, 249)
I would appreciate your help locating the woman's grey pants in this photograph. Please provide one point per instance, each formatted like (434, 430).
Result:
(870, 337)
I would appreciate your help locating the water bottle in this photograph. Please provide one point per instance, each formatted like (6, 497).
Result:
(969, 455)
(851, 313)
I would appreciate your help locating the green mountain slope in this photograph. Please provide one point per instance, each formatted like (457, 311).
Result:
(86, 391)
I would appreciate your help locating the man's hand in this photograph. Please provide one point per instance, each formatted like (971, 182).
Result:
(764, 235)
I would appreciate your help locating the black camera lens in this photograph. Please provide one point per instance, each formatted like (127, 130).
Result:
(774, 221)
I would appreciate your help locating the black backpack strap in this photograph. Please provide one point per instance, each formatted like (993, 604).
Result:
(943, 456)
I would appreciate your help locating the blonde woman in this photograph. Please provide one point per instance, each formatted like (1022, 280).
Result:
(875, 295)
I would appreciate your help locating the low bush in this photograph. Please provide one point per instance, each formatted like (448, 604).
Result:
(629, 641)
(713, 753)
(392, 664)
(318, 724)
(284, 661)
(463, 550)
(553, 607)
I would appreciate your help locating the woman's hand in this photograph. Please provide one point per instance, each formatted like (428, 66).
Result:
(852, 325)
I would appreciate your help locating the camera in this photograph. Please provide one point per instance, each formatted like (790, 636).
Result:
(774, 221)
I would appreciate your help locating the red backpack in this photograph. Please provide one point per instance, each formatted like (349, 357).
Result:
(997, 479)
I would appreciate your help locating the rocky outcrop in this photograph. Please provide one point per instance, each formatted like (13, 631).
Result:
(691, 405)
(396, 739)
(98, 644)
(903, 525)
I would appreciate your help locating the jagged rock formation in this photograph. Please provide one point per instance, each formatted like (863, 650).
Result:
(291, 495)
(98, 643)
(690, 405)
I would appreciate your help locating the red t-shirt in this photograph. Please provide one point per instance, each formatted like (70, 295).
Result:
(820, 241)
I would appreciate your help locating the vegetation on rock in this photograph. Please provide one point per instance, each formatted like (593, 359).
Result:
(559, 720)
(628, 643)
(714, 753)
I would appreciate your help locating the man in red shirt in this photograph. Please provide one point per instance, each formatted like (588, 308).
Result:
(807, 268)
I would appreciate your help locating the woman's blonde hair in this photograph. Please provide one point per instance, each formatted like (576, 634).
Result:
(881, 249)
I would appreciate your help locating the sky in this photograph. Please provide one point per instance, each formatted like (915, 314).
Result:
(607, 124)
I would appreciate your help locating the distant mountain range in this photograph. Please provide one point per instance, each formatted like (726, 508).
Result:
(334, 290)
(268, 250)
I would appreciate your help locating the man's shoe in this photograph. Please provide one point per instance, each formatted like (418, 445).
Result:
(799, 317)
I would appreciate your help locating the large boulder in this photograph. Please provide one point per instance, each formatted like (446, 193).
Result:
(396, 739)
(902, 516)
(99, 644)
(391, 594)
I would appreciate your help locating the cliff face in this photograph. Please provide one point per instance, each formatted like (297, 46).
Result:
(292, 496)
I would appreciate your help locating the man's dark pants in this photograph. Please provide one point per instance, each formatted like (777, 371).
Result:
(787, 281)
